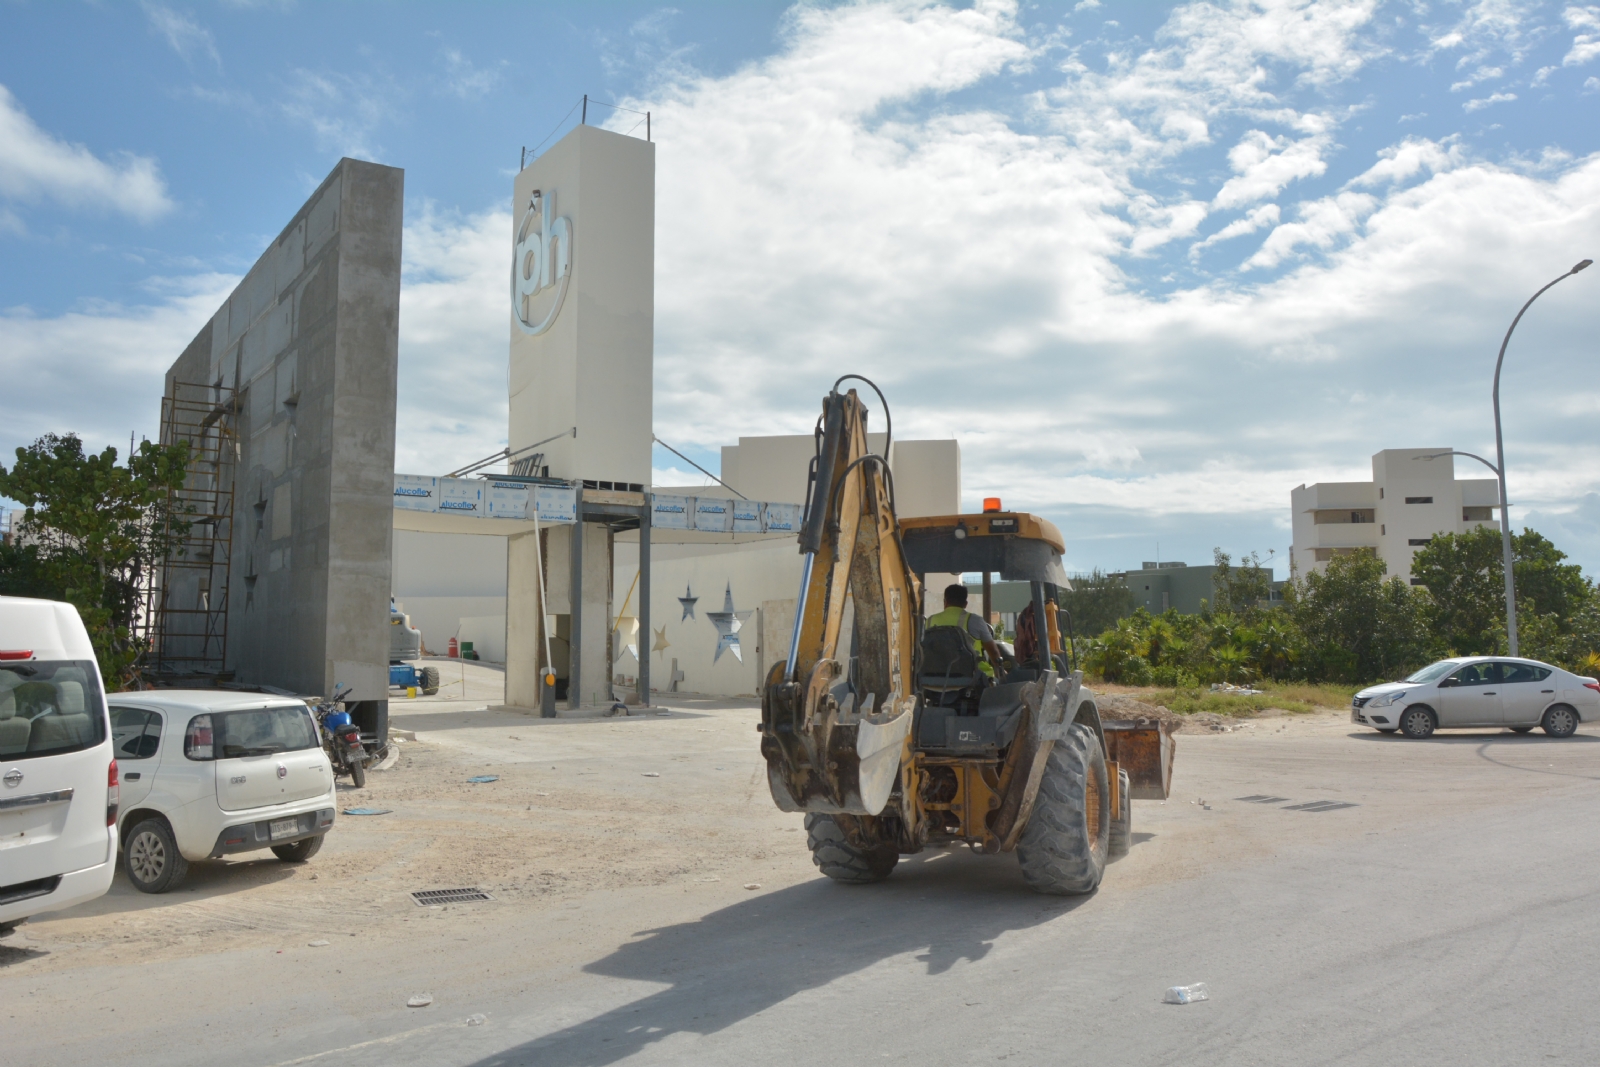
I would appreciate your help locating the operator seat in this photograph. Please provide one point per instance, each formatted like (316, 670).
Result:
(949, 666)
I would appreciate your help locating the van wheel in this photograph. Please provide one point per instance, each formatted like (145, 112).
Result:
(1418, 723)
(150, 858)
(299, 851)
(1560, 721)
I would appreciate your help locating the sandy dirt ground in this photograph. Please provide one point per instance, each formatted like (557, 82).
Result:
(598, 832)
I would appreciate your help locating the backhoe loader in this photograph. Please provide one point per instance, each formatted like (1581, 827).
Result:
(889, 736)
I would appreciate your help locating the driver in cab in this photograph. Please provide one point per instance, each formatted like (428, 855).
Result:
(978, 632)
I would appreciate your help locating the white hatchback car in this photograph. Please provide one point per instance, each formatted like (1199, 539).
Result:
(207, 773)
(1480, 692)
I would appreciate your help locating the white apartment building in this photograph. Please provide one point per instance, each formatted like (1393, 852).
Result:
(1409, 500)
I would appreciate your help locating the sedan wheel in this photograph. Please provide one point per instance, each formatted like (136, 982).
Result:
(1560, 721)
(1418, 723)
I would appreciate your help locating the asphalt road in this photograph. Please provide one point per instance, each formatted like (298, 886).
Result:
(1444, 912)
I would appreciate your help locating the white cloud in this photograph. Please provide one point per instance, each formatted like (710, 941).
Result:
(1583, 50)
(465, 79)
(1487, 101)
(342, 111)
(35, 166)
(454, 332)
(1406, 160)
(184, 34)
(1322, 223)
(1265, 165)
(1258, 217)
(96, 370)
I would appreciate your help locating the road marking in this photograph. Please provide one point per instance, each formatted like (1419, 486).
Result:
(364, 1044)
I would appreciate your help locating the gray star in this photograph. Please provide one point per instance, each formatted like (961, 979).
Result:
(728, 623)
(687, 600)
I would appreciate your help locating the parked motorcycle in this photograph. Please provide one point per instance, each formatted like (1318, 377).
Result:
(341, 739)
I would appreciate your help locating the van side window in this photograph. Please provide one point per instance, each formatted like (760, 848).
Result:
(135, 733)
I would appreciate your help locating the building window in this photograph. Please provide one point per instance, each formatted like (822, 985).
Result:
(1380, 492)
(1416, 581)
(1419, 500)
(1477, 514)
(1417, 541)
(1342, 516)
(1383, 530)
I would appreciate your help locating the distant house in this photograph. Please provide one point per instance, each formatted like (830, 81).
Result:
(1409, 500)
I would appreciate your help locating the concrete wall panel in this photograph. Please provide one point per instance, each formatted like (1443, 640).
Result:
(313, 334)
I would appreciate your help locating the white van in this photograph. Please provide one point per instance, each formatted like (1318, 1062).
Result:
(58, 778)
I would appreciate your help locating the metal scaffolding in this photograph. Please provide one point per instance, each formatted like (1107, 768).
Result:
(186, 604)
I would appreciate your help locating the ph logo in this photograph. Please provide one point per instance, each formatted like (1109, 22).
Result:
(542, 259)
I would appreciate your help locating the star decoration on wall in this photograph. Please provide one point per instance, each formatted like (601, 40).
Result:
(687, 600)
(662, 644)
(728, 623)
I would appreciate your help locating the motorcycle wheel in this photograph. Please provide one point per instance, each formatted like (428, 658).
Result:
(358, 775)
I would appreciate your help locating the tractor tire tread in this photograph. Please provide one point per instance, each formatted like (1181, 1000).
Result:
(1059, 853)
(843, 861)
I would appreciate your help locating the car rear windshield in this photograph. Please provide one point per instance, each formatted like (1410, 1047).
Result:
(1434, 671)
(262, 731)
(49, 707)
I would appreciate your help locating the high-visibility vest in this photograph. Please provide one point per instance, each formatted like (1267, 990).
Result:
(957, 617)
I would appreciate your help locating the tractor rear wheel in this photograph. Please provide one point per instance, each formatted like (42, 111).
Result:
(1064, 847)
(851, 848)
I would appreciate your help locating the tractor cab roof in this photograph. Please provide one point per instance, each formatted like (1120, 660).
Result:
(1018, 546)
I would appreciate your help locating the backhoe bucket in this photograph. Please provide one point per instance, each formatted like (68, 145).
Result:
(1144, 750)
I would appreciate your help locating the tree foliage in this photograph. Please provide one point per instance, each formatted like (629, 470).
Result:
(1465, 576)
(1096, 601)
(1351, 624)
(90, 534)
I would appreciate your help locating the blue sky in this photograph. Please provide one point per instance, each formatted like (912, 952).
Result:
(1153, 264)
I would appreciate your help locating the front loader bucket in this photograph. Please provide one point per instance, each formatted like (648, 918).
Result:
(1144, 750)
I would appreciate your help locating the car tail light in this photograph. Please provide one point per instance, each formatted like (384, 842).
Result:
(16, 653)
(113, 794)
(1592, 685)
(197, 742)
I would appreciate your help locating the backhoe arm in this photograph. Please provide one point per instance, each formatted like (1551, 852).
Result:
(832, 747)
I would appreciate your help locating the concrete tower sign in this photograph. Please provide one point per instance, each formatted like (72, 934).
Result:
(583, 306)
(581, 366)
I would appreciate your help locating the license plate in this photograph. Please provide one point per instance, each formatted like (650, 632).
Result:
(283, 828)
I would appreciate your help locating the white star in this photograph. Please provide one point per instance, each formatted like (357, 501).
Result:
(728, 623)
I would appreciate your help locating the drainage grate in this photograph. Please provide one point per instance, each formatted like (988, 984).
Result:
(1321, 805)
(429, 897)
(1261, 798)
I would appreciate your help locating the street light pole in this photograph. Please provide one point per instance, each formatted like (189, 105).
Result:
(1500, 469)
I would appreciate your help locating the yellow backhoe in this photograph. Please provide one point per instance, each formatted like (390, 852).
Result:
(898, 740)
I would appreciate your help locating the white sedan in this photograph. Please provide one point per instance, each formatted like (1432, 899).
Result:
(1480, 692)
